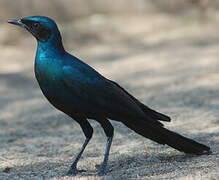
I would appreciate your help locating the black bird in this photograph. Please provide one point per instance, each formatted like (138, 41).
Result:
(82, 93)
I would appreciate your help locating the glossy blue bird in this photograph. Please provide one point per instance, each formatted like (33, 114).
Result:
(82, 93)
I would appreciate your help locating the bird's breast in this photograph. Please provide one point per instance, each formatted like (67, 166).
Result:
(47, 70)
(48, 74)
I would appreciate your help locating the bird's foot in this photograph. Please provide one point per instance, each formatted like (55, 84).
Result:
(74, 171)
(102, 169)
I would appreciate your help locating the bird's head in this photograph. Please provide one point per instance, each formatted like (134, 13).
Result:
(41, 27)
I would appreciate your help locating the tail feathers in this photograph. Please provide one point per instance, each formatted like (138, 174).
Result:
(184, 144)
(154, 114)
(172, 139)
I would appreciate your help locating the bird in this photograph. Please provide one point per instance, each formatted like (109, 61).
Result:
(82, 93)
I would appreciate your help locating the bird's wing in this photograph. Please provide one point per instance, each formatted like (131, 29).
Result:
(94, 89)
(150, 112)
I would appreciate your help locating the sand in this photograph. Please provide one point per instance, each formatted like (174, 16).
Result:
(169, 63)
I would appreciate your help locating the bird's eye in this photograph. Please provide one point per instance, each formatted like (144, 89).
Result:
(36, 25)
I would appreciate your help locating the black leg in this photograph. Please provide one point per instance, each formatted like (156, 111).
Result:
(109, 130)
(88, 131)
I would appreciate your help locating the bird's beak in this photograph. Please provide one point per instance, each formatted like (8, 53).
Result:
(17, 22)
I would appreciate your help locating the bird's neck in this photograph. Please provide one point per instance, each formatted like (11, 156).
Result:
(53, 47)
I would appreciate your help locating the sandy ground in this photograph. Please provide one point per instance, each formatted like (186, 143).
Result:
(169, 63)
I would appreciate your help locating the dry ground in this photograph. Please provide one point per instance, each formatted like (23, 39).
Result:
(169, 63)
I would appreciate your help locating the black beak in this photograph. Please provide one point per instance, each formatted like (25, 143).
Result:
(17, 22)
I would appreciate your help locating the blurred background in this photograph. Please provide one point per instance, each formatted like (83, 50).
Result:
(165, 52)
(83, 16)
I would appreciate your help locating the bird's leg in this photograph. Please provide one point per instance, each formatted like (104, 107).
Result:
(88, 131)
(109, 131)
(103, 166)
(73, 170)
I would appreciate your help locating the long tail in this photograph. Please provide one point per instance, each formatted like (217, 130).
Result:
(163, 136)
